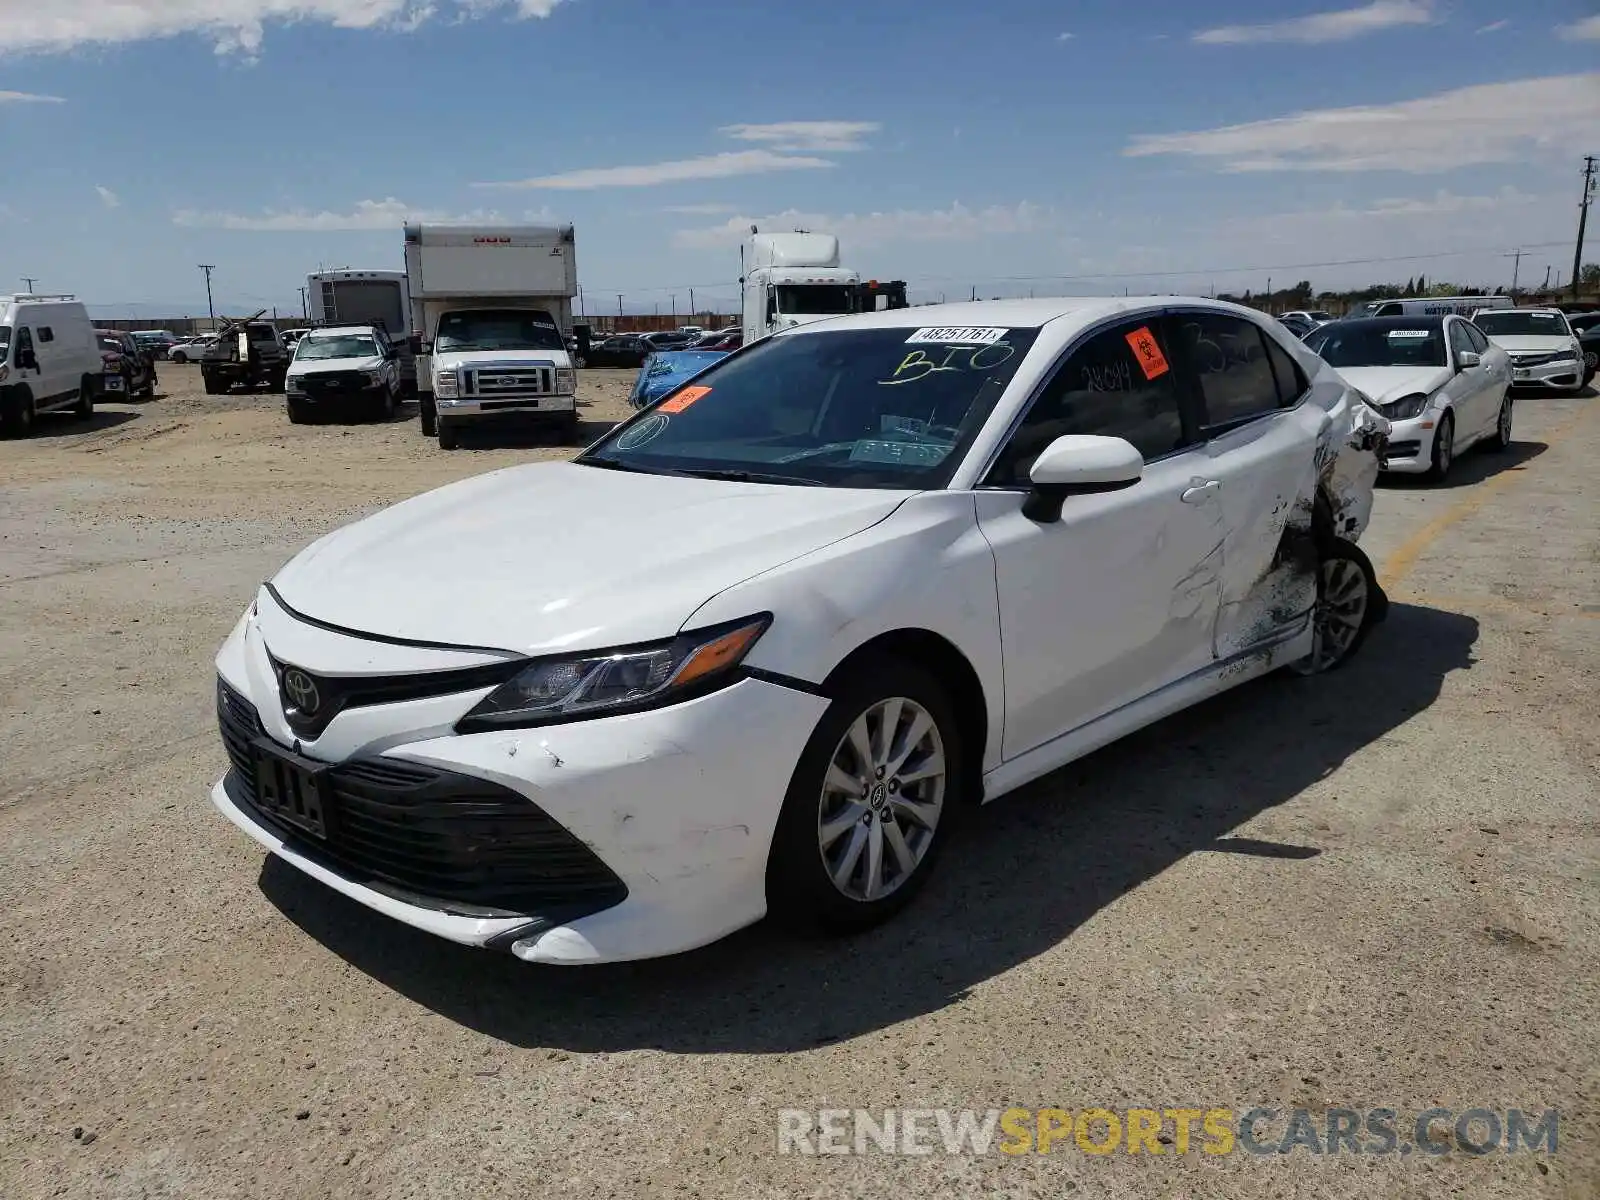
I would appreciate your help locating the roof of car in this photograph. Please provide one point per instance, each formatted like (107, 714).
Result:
(331, 330)
(1014, 314)
(1393, 322)
(1542, 312)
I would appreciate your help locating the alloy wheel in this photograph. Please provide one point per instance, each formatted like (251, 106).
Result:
(1340, 613)
(1505, 421)
(882, 798)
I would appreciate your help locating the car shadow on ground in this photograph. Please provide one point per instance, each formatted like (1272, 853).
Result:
(59, 425)
(1471, 468)
(1025, 873)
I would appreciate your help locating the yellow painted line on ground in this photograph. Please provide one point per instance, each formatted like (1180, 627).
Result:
(1405, 556)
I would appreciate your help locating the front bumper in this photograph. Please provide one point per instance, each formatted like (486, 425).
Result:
(642, 835)
(337, 393)
(1410, 447)
(1565, 374)
(450, 409)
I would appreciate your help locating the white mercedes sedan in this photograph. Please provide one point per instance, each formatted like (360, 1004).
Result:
(758, 648)
(1438, 380)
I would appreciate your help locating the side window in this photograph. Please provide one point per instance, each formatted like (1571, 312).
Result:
(1460, 339)
(1292, 383)
(1106, 387)
(1229, 360)
(24, 343)
(1476, 337)
(46, 334)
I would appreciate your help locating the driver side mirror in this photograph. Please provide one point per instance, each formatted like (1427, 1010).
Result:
(1468, 359)
(1079, 464)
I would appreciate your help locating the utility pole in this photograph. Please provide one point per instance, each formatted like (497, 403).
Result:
(674, 306)
(210, 307)
(1583, 221)
(580, 304)
(691, 305)
(30, 280)
(974, 291)
(619, 306)
(1546, 277)
(1269, 294)
(1516, 267)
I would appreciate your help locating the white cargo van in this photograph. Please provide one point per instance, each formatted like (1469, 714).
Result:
(1429, 306)
(49, 359)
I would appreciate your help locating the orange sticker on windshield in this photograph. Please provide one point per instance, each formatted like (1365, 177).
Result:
(1151, 361)
(683, 399)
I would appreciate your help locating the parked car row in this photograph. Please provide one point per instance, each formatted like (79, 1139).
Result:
(129, 369)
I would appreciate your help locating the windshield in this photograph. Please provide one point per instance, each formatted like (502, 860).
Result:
(5, 338)
(814, 299)
(1523, 324)
(498, 329)
(870, 408)
(354, 345)
(1384, 342)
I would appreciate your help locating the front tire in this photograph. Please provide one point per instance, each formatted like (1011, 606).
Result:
(427, 414)
(1349, 603)
(1501, 438)
(449, 435)
(871, 802)
(16, 414)
(84, 408)
(180, 357)
(1444, 449)
(299, 414)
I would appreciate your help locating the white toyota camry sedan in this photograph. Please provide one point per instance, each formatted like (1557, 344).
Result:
(1442, 385)
(757, 648)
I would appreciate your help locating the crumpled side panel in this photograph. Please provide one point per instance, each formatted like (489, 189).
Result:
(1351, 470)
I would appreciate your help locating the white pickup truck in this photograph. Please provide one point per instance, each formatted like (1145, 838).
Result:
(491, 310)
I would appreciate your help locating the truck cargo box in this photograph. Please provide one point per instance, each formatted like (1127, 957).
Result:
(488, 261)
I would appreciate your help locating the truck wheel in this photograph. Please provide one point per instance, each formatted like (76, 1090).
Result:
(387, 405)
(427, 414)
(449, 436)
(298, 413)
(570, 435)
(84, 408)
(179, 357)
(16, 413)
(210, 382)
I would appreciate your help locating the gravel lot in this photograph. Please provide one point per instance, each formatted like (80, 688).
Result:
(1377, 888)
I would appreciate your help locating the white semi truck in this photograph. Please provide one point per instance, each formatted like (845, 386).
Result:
(792, 279)
(491, 308)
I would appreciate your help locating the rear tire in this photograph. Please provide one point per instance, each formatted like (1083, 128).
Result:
(180, 357)
(847, 812)
(449, 435)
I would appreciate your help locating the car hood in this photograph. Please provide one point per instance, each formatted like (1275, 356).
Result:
(1526, 343)
(1384, 385)
(550, 556)
(308, 366)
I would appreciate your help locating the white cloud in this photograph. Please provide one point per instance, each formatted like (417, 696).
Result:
(1337, 26)
(107, 196)
(831, 136)
(231, 25)
(709, 166)
(1065, 37)
(699, 210)
(1486, 123)
(24, 97)
(1586, 30)
(1494, 27)
(956, 223)
(388, 213)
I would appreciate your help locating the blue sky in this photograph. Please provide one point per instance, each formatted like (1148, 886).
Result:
(1012, 146)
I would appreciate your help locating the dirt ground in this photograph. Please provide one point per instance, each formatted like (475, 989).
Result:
(1378, 888)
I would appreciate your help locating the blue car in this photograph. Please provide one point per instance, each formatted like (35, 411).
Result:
(665, 371)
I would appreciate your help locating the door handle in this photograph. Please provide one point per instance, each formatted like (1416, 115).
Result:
(1200, 492)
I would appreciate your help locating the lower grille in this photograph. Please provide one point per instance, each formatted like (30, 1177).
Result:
(336, 381)
(441, 838)
(1402, 449)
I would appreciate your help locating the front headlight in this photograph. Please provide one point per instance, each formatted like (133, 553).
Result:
(566, 381)
(574, 687)
(1406, 407)
(4, 372)
(294, 383)
(445, 383)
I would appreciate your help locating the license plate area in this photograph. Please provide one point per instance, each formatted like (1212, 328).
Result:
(293, 790)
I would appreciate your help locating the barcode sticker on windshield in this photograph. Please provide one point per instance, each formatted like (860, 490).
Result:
(1409, 333)
(960, 335)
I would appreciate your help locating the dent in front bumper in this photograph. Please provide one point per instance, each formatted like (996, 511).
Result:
(1567, 373)
(679, 802)
(1410, 447)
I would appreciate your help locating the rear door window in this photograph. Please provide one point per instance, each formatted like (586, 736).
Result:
(1228, 358)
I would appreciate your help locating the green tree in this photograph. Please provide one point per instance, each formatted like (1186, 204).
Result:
(1590, 275)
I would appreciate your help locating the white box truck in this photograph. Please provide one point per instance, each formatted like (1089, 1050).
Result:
(791, 279)
(382, 298)
(491, 309)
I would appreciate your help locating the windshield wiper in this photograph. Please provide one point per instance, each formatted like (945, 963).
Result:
(734, 476)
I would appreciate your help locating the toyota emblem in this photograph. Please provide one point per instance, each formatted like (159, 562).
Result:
(301, 691)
